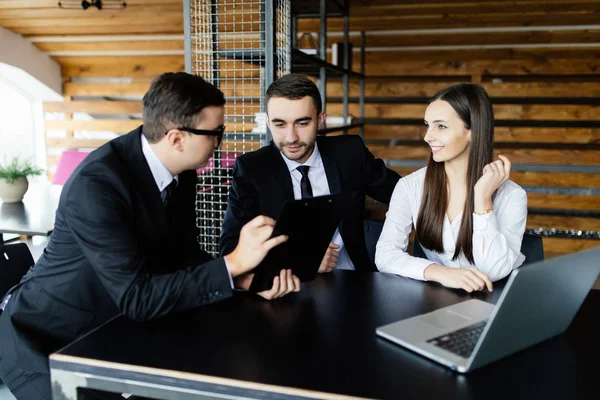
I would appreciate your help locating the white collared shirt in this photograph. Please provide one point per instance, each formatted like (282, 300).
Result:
(160, 173)
(320, 187)
(496, 236)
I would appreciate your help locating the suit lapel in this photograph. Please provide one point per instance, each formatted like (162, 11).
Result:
(332, 170)
(144, 179)
(284, 178)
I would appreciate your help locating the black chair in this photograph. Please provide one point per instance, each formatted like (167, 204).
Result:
(372, 232)
(15, 261)
(532, 248)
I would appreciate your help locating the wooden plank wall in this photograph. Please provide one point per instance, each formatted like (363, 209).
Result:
(546, 100)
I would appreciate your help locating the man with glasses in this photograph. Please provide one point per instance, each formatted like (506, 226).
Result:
(125, 239)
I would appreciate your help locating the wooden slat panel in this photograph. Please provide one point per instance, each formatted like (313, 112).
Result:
(547, 179)
(384, 22)
(118, 126)
(559, 222)
(95, 107)
(501, 134)
(9, 4)
(401, 9)
(74, 143)
(144, 66)
(517, 156)
(140, 66)
(92, 13)
(563, 201)
(391, 64)
(395, 88)
(134, 45)
(461, 39)
(138, 88)
(558, 246)
(532, 112)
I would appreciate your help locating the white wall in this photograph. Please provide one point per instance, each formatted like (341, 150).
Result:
(22, 54)
(17, 135)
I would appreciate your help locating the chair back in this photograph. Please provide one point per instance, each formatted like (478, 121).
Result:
(532, 248)
(372, 232)
(15, 261)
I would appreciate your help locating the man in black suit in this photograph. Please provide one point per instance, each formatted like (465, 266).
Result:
(299, 164)
(125, 240)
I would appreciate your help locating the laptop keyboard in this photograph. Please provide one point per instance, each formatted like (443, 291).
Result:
(462, 341)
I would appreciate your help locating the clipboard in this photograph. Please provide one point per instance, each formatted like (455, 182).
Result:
(310, 225)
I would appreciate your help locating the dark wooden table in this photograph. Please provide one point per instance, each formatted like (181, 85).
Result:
(34, 215)
(319, 343)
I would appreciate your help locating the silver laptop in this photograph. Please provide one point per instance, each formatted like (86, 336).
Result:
(538, 302)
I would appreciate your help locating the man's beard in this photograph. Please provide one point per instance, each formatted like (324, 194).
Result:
(308, 147)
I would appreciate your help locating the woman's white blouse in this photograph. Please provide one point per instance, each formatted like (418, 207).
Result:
(496, 236)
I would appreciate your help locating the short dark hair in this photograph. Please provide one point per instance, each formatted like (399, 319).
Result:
(174, 100)
(295, 87)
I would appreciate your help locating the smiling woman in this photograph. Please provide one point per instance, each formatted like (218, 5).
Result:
(468, 216)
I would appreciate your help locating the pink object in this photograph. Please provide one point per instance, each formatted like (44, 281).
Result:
(227, 161)
(69, 160)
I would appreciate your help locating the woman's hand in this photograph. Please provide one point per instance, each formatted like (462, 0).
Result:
(494, 175)
(469, 278)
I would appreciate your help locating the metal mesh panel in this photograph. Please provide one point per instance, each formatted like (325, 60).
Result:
(228, 41)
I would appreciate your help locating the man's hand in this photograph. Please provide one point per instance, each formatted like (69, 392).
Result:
(254, 244)
(283, 284)
(469, 278)
(330, 260)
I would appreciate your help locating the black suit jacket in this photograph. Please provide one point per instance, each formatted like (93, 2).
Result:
(262, 183)
(111, 252)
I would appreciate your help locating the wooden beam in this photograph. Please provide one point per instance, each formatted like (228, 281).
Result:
(563, 202)
(401, 88)
(509, 19)
(39, 4)
(497, 8)
(517, 156)
(501, 134)
(84, 143)
(560, 246)
(392, 64)
(529, 112)
(139, 45)
(95, 107)
(118, 126)
(548, 179)
(462, 39)
(136, 88)
(139, 66)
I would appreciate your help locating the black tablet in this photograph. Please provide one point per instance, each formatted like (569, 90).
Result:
(309, 224)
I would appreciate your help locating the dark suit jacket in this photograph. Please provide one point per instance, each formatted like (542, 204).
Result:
(111, 253)
(262, 183)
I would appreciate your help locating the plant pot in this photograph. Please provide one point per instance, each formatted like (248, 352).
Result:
(13, 192)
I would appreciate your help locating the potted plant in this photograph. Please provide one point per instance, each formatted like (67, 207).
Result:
(13, 179)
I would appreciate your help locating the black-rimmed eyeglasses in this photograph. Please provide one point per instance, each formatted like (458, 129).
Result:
(218, 132)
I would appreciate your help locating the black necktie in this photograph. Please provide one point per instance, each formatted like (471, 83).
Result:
(170, 199)
(305, 187)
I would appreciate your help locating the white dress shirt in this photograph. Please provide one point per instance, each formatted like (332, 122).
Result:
(320, 187)
(497, 236)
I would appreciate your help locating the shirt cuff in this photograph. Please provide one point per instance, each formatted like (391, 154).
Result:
(229, 273)
(485, 222)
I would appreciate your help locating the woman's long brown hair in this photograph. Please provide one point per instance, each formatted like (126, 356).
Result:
(472, 104)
